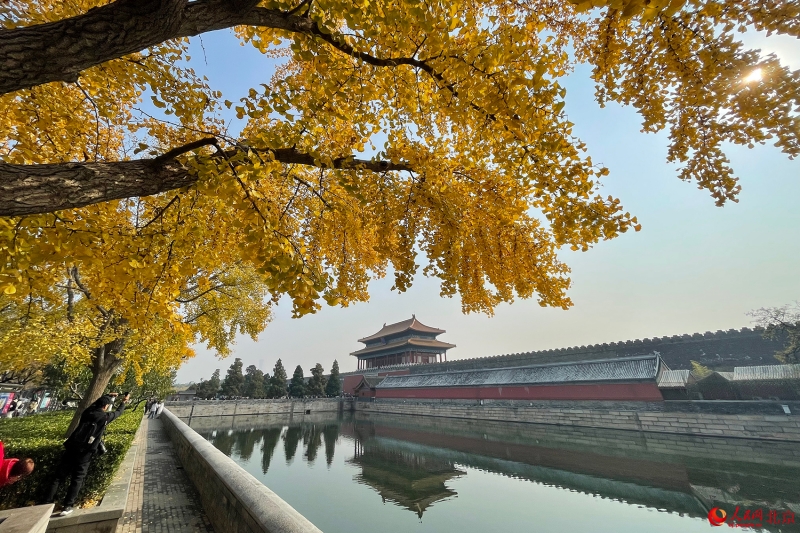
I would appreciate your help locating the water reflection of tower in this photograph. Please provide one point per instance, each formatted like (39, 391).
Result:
(411, 480)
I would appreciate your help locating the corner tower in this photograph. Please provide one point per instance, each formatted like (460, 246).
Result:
(409, 342)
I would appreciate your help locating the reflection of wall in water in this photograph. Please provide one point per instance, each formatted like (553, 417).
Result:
(410, 480)
(660, 471)
(607, 442)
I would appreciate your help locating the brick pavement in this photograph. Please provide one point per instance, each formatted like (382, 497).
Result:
(161, 498)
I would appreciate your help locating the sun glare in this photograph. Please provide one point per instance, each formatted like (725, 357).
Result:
(753, 76)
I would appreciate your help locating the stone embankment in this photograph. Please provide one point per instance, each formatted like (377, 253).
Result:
(781, 427)
(752, 420)
(232, 498)
(201, 408)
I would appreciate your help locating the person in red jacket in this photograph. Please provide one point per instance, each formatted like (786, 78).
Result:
(12, 470)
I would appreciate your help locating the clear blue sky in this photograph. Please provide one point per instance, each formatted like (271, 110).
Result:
(694, 267)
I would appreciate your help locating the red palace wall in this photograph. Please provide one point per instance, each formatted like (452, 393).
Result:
(350, 383)
(645, 392)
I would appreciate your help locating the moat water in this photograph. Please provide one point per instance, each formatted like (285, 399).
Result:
(393, 474)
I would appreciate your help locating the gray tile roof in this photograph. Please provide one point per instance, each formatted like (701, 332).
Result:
(766, 372)
(400, 346)
(371, 381)
(399, 327)
(641, 368)
(674, 379)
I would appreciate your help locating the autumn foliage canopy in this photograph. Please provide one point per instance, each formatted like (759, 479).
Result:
(396, 135)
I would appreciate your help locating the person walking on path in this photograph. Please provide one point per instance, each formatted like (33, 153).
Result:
(159, 408)
(153, 409)
(81, 446)
(149, 405)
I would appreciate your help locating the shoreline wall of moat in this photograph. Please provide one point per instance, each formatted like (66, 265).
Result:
(750, 420)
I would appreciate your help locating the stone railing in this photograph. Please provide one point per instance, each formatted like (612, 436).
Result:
(233, 499)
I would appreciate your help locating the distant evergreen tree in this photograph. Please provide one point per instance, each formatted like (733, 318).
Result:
(267, 381)
(316, 385)
(334, 385)
(277, 383)
(209, 388)
(254, 383)
(233, 383)
(297, 387)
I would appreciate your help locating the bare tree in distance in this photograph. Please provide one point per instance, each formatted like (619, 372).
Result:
(781, 323)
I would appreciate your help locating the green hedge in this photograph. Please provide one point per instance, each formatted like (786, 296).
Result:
(40, 437)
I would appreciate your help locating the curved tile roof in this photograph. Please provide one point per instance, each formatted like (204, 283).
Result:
(642, 368)
(369, 381)
(399, 327)
(671, 379)
(766, 372)
(424, 343)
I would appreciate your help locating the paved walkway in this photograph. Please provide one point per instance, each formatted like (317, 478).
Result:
(161, 498)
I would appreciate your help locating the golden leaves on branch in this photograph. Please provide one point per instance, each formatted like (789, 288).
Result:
(464, 97)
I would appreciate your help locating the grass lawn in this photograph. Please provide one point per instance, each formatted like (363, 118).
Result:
(40, 437)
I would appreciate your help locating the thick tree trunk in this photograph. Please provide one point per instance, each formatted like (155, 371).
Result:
(59, 51)
(30, 189)
(104, 363)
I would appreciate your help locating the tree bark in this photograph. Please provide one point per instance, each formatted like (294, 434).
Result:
(104, 363)
(59, 51)
(36, 189)
(32, 189)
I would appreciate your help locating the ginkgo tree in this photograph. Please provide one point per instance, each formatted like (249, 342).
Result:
(475, 165)
(80, 327)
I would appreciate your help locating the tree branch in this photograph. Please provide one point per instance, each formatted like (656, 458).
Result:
(61, 50)
(186, 148)
(190, 299)
(35, 189)
(70, 300)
